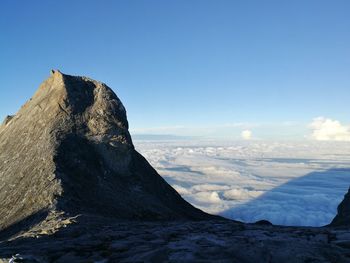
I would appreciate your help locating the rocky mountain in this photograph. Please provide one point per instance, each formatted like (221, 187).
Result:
(68, 151)
(74, 189)
(343, 216)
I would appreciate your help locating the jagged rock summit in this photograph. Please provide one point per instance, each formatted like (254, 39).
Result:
(68, 150)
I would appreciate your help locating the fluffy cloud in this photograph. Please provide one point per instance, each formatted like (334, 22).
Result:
(207, 197)
(324, 129)
(287, 183)
(241, 194)
(246, 134)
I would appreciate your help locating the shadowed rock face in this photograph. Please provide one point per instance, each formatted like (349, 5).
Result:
(68, 150)
(343, 216)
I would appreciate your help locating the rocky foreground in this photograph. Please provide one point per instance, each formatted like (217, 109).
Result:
(97, 239)
(74, 189)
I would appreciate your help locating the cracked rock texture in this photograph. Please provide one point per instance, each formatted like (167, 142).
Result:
(68, 150)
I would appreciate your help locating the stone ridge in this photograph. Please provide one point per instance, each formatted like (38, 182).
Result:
(68, 150)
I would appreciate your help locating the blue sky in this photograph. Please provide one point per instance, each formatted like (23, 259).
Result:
(211, 68)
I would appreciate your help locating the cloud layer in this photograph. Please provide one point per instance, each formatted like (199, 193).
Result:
(324, 129)
(285, 183)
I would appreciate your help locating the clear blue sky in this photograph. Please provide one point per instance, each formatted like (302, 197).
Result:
(185, 66)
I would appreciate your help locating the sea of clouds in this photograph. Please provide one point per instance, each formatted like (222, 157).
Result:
(287, 183)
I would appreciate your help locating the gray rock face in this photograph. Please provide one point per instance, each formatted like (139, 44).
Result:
(68, 150)
(71, 181)
(343, 216)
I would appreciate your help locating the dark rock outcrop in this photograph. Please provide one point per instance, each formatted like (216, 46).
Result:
(68, 151)
(343, 216)
(202, 241)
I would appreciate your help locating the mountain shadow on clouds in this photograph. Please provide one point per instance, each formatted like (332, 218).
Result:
(310, 200)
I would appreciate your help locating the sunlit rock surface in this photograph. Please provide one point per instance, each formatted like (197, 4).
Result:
(73, 189)
(68, 151)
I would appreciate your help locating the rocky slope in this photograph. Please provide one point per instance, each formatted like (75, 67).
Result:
(68, 151)
(73, 189)
(101, 240)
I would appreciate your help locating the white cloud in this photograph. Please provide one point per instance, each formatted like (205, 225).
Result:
(287, 183)
(207, 197)
(246, 134)
(324, 129)
(241, 194)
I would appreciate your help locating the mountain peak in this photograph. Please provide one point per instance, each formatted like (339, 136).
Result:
(68, 150)
(55, 71)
